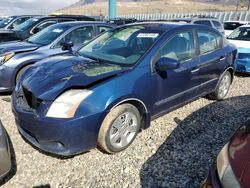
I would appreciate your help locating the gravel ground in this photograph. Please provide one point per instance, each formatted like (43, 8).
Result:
(176, 151)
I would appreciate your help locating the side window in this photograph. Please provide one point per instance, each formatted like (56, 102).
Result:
(181, 47)
(18, 22)
(208, 41)
(217, 24)
(46, 24)
(203, 22)
(102, 29)
(78, 36)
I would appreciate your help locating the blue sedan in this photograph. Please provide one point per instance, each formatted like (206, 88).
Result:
(117, 83)
(16, 57)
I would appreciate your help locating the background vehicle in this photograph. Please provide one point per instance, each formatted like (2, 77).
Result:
(121, 21)
(241, 38)
(233, 166)
(209, 21)
(112, 87)
(53, 40)
(36, 24)
(5, 162)
(230, 26)
(12, 21)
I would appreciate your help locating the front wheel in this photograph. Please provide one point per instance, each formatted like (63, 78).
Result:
(222, 88)
(119, 128)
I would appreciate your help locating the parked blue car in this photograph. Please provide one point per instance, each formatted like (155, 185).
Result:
(113, 86)
(16, 57)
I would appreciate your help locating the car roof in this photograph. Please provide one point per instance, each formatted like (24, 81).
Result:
(63, 16)
(236, 21)
(247, 25)
(76, 23)
(166, 26)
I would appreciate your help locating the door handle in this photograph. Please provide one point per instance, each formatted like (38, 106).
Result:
(222, 58)
(195, 70)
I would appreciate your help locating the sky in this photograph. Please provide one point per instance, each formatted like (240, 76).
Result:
(13, 7)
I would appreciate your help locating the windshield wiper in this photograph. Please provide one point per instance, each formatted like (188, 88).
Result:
(96, 59)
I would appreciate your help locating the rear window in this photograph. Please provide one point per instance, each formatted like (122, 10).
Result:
(232, 25)
(203, 22)
(208, 41)
(217, 24)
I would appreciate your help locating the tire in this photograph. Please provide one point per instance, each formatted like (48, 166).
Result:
(20, 73)
(114, 135)
(222, 87)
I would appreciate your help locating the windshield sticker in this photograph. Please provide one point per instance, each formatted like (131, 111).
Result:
(35, 20)
(57, 30)
(147, 35)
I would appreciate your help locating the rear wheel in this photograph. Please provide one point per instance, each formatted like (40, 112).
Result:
(119, 128)
(20, 73)
(223, 87)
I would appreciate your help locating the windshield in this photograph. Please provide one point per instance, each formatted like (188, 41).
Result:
(5, 22)
(242, 33)
(48, 35)
(232, 25)
(26, 25)
(123, 46)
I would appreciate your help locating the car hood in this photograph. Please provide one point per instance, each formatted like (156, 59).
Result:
(240, 43)
(239, 155)
(49, 78)
(17, 47)
(6, 31)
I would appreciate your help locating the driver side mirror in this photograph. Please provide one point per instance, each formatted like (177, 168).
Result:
(67, 46)
(164, 64)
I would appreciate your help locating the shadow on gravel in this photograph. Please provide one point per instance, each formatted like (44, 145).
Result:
(5, 94)
(184, 158)
(13, 164)
(242, 74)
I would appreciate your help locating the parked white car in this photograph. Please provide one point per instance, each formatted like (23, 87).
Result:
(241, 38)
(230, 26)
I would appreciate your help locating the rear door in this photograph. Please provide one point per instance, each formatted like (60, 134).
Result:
(212, 60)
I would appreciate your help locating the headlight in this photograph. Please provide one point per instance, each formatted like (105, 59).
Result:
(225, 171)
(66, 104)
(6, 57)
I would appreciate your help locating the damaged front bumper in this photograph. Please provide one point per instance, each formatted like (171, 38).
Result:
(243, 65)
(54, 135)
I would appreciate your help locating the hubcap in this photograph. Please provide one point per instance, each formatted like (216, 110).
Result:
(224, 86)
(123, 130)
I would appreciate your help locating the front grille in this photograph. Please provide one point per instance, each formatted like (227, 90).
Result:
(32, 101)
(244, 56)
(26, 99)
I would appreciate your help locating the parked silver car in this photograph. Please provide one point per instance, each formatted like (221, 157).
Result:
(5, 157)
(203, 20)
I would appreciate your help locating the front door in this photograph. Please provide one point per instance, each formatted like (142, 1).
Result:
(174, 87)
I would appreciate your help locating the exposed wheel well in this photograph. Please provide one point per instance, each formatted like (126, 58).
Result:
(21, 68)
(139, 105)
(231, 70)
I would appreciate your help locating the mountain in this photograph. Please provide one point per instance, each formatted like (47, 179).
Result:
(100, 7)
(85, 2)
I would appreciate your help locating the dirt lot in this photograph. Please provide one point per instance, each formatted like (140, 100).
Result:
(176, 151)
